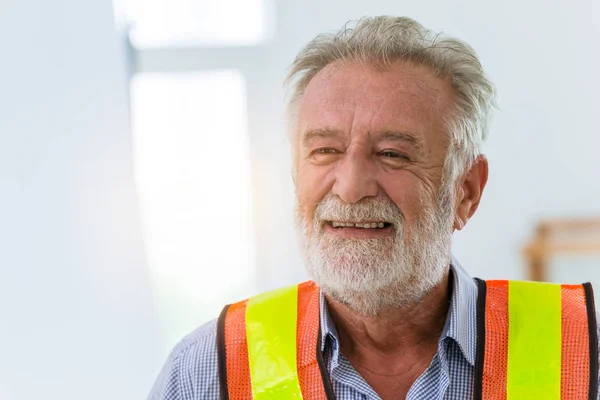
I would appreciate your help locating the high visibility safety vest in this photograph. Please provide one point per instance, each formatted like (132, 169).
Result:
(534, 341)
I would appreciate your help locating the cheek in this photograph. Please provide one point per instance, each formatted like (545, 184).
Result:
(408, 194)
(312, 185)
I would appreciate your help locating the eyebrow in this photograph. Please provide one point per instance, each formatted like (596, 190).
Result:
(392, 136)
(323, 133)
(401, 137)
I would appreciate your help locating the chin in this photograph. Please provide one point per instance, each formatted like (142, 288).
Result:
(370, 287)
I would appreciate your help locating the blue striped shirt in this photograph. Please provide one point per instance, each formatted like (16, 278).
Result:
(191, 371)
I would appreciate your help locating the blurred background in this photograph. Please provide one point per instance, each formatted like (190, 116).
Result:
(145, 174)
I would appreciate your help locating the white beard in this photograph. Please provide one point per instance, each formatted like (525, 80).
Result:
(372, 274)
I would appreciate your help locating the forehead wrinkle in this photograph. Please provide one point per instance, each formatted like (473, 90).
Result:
(415, 96)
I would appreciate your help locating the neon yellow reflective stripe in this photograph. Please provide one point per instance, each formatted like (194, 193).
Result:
(271, 333)
(534, 341)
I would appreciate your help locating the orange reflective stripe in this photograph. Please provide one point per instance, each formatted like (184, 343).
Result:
(236, 350)
(575, 368)
(496, 341)
(309, 374)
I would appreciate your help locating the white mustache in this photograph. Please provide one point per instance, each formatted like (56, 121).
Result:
(380, 208)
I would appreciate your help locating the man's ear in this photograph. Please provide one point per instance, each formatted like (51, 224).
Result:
(469, 192)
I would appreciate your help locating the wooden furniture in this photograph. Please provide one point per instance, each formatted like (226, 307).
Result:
(560, 237)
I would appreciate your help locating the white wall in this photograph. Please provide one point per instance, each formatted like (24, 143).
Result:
(75, 307)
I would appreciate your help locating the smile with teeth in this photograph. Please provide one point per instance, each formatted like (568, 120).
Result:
(365, 225)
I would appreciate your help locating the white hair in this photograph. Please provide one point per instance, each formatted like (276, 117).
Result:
(379, 41)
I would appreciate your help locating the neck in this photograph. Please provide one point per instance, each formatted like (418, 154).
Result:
(399, 333)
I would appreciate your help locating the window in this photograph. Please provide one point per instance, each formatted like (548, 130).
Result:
(192, 153)
(192, 170)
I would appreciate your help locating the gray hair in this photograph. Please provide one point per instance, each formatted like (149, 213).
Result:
(382, 40)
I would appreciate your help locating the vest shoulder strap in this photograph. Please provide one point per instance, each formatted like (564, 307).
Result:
(536, 340)
(269, 347)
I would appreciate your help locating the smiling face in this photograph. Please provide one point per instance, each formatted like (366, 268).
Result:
(373, 219)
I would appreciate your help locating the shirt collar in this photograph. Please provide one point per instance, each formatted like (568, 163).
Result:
(461, 323)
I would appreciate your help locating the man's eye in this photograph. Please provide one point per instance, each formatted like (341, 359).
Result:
(325, 151)
(393, 154)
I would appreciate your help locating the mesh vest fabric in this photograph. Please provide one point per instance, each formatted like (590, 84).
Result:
(578, 368)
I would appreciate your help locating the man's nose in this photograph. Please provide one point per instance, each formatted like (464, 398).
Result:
(355, 178)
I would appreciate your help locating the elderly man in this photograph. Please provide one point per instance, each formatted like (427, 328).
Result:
(387, 121)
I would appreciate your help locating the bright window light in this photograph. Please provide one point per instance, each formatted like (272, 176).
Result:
(167, 23)
(193, 175)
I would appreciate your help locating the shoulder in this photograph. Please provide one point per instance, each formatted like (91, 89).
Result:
(191, 370)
